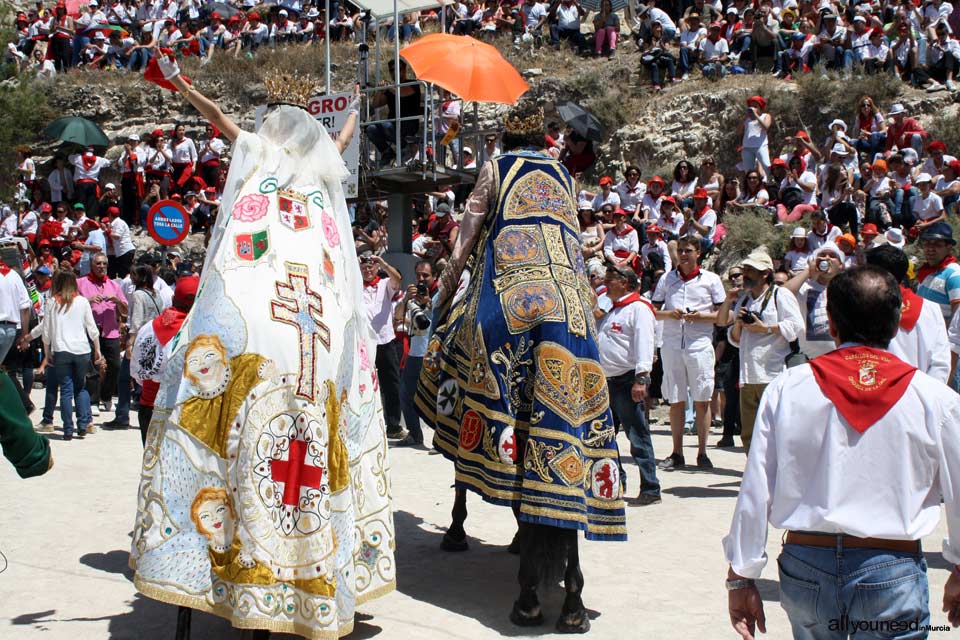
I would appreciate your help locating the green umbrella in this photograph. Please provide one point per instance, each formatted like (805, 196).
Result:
(78, 130)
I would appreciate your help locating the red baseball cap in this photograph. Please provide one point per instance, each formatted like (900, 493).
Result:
(655, 180)
(185, 292)
(619, 212)
(44, 243)
(778, 162)
(654, 229)
(669, 199)
(45, 208)
(253, 16)
(700, 192)
(606, 180)
(113, 211)
(869, 229)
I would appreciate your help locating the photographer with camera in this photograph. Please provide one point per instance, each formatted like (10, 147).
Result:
(765, 321)
(419, 313)
(810, 288)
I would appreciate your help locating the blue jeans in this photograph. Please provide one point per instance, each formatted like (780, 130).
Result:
(122, 415)
(406, 32)
(872, 146)
(8, 337)
(139, 59)
(382, 135)
(72, 372)
(685, 65)
(408, 391)
(829, 593)
(634, 420)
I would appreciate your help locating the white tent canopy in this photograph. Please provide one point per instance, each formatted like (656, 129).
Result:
(384, 8)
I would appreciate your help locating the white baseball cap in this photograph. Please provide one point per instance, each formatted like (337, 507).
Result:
(923, 177)
(799, 232)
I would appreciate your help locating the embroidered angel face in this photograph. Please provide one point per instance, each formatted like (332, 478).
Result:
(206, 363)
(213, 515)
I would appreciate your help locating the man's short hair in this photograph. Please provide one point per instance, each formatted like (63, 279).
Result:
(628, 274)
(691, 239)
(890, 258)
(864, 304)
(429, 263)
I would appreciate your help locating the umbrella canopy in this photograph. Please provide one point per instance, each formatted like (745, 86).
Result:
(77, 130)
(225, 10)
(594, 5)
(466, 67)
(582, 121)
(106, 29)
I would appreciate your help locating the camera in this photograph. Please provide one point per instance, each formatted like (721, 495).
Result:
(422, 289)
(823, 266)
(748, 317)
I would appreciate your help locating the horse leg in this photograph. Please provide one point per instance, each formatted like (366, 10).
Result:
(184, 615)
(526, 608)
(455, 539)
(573, 616)
(516, 545)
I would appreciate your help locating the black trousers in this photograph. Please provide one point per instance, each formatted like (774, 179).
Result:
(119, 266)
(388, 372)
(144, 415)
(731, 389)
(105, 390)
(129, 200)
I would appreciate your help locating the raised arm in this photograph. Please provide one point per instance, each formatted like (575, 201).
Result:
(207, 108)
(346, 134)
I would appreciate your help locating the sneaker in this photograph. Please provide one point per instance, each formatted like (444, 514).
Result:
(92, 428)
(81, 433)
(646, 499)
(67, 437)
(935, 86)
(44, 427)
(657, 87)
(685, 76)
(675, 461)
(95, 411)
(400, 434)
(107, 405)
(724, 443)
(703, 462)
(950, 86)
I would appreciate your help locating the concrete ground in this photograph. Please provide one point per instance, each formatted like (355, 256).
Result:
(65, 537)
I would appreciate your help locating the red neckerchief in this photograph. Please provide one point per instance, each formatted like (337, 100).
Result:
(909, 308)
(863, 383)
(693, 274)
(89, 159)
(627, 230)
(865, 125)
(373, 283)
(825, 233)
(434, 287)
(166, 325)
(95, 280)
(627, 299)
(927, 270)
(4, 269)
(702, 212)
(712, 39)
(131, 162)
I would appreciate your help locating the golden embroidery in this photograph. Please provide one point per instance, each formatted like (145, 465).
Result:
(538, 194)
(573, 388)
(568, 466)
(519, 245)
(481, 379)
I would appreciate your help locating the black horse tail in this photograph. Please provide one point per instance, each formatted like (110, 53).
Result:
(545, 550)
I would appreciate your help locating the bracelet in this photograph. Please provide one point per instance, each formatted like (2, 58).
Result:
(742, 583)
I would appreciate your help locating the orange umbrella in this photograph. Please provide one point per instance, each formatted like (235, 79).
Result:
(466, 67)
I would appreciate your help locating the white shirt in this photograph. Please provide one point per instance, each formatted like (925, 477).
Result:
(568, 17)
(673, 224)
(656, 247)
(80, 172)
(925, 346)
(796, 260)
(58, 187)
(184, 152)
(762, 355)
(612, 198)
(711, 51)
(703, 293)
(625, 339)
(379, 303)
(928, 208)
(808, 470)
(612, 243)
(212, 150)
(812, 299)
(929, 167)
(13, 297)
(120, 239)
(69, 330)
(815, 240)
(630, 197)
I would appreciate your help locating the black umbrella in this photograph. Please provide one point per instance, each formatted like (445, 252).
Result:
(582, 121)
(78, 131)
(226, 11)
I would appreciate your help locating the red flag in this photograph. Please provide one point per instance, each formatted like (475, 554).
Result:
(154, 75)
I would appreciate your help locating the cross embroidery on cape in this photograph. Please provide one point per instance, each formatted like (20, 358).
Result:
(302, 308)
(295, 473)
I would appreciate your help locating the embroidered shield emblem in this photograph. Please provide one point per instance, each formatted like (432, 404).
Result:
(868, 374)
(293, 210)
(251, 246)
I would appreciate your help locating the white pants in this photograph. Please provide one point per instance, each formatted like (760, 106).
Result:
(690, 368)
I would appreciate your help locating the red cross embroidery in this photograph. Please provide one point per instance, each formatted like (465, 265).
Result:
(295, 474)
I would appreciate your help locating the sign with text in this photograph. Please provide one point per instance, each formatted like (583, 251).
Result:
(331, 111)
(168, 222)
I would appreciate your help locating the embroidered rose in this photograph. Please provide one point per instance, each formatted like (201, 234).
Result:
(330, 229)
(364, 358)
(251, 207)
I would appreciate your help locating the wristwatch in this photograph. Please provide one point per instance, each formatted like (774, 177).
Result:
(742, 583)
(769, 329)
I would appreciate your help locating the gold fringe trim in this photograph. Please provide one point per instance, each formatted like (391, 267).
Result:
(306, 631)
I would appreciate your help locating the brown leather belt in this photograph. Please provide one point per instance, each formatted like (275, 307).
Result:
(851, 542)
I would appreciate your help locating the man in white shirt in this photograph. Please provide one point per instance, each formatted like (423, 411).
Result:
(766, 320)
(837, 461)
(821, 231)
(378, 296)
(702, 219)
(810, 287)
(120, 247)
(14, 310)
(86, 175)
(625, 340)
(686, 300)
(567, 25)
(921, 339)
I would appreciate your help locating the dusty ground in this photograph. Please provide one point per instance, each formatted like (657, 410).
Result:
(65, 538)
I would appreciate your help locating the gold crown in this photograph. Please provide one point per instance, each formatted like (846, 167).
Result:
(287, 88)
(531, 124)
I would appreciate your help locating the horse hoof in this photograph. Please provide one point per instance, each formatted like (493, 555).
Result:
(575, 622)
(452, 544)
(523, 618)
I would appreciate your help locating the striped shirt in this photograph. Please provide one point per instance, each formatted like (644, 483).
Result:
(942, 287)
